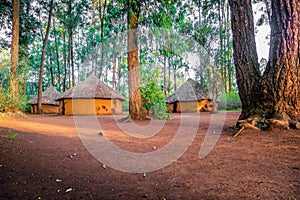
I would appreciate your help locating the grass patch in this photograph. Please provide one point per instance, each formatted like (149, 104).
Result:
(12, 136)
(231, 111)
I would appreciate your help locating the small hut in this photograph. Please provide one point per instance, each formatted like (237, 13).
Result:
(190, 97)
(49, 105)
(90, 97)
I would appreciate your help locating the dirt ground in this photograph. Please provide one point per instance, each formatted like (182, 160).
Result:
(47, 160)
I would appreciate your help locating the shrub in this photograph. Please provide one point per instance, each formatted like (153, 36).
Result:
(10, 104)
(154, 99)
(230, 101)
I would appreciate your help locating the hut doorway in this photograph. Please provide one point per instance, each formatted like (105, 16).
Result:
(175, 107)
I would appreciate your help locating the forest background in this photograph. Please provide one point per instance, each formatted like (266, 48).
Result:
(89, 36)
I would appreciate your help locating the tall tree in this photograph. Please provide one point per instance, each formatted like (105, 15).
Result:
(40, 110)
(275, 93)
(136, 110)
(15, 50)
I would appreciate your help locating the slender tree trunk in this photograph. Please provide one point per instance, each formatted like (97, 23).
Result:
(165, 74)
(119, 76)
(69, 59)
(222, 49)
(57, 55)
(276, 93)
(102, 10)
(40, 110)
(81, 60)
(229, 50)
(136, 110)
(14, 91)
(175, 77)
(51, 70)
(65, 63)
(200, 13)
(169, 75)
(114, 67)
(72, 60)
(69, 28)
(57, 62)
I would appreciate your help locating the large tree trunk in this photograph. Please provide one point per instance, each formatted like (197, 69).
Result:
(276, 93)
(15, 51)
(136, 110)
(282, 76)
(40, 110)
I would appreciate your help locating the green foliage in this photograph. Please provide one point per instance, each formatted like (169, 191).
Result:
(154, 98)
(230, 101)
(10, 104)
(7, 102)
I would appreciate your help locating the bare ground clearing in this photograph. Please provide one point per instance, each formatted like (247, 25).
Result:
(47, 160)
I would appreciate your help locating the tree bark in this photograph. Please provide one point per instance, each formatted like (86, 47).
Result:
(15, 51)
(165, 74)
(282, 75)
(118, 84)
(102, 10)
(114, 67)
(136, 111)
(276, 93)
(57, 56)
(40, 110)
(51, 69)
(64, 64)
(72, 59)
(70, 36)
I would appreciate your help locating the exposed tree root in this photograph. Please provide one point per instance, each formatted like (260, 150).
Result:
(277, 124)
(148, 117)
(241, 130)
(257, 124)
(250, 124)
(294, 124)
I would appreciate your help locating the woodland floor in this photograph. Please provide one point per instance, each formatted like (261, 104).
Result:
(47, 160)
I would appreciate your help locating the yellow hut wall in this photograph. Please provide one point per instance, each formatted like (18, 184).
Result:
(90, 106)
(191, 106)
(47, 109)
(187, 106)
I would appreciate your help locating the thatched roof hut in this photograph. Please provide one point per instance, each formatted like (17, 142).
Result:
(49, 105)
(189, 97)
(90, 97)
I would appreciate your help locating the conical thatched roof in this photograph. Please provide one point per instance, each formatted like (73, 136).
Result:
(189, 91)
(48, 97)
(91, 88)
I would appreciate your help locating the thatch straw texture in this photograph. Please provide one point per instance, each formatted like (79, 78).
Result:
(188, 92)
(91, 88)
(48, 97)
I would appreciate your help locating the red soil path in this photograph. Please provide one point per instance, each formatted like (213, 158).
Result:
(47, 160)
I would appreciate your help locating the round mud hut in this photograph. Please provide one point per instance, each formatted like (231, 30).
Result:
(190, 97)
(49, 105)
(90, 97)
